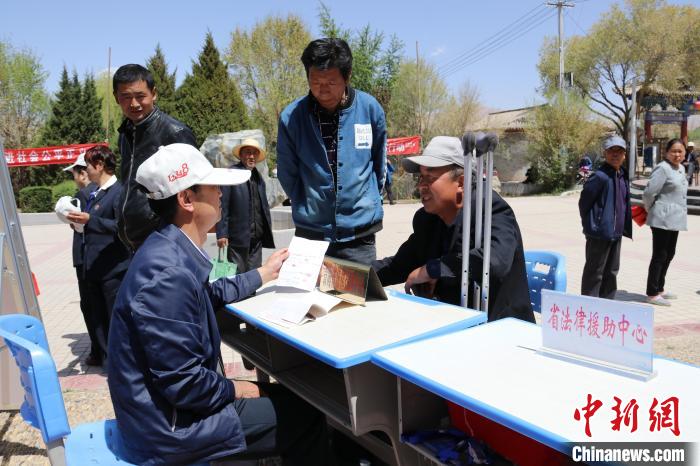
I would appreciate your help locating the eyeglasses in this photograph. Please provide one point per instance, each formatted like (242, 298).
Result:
(429, 179)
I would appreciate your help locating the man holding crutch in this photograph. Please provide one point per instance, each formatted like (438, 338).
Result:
(430, 261)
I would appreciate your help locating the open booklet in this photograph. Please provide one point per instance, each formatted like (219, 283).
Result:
(298, 307)
(337, 281)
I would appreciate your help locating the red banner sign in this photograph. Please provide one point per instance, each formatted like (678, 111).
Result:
(47, 155)
(403, 146)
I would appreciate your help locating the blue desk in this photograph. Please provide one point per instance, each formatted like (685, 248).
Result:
(327, 362)
(496, 371)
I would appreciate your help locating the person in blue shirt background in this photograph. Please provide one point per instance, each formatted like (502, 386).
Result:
(606, 217)
(331, 156)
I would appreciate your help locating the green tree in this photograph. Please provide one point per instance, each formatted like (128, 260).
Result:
(90, 116)
(266, 62)
(419, 97)
(24, 106)
(163, 79)
(63, 125)
(459, 111)
(374, 68)
(646, 41)
(209, 100)
(327, 25)
(559, 134)
(110, 111)
(24, 103)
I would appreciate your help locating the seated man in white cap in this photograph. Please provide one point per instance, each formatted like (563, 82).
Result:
(430, 261)
(245, 225)
(173, 403)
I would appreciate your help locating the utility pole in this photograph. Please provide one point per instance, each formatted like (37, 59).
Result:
(560, 4)
(632, 154)
(109, 104)
(420, 105)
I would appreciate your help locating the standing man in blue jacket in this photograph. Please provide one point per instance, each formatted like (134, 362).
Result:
(173, 403)
(331, 156)
(606, 217)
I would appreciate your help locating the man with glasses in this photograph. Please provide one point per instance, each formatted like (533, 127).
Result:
(430, 261)
(606, 217)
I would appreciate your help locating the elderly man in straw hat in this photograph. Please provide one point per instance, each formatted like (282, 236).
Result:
(245, 225)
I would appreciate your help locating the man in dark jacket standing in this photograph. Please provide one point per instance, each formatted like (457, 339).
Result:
(145, 128)
(245, 225)
(430, 261)
(606, 216)
(172, 402)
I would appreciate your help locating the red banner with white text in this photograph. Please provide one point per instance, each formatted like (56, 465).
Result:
(403, 146)
(47, 155)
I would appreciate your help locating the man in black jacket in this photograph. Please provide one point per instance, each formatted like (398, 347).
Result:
(245, 225)
(606, 216)
(145, 128)
(430, 261)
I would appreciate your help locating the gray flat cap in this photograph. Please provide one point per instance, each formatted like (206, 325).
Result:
(440, 152)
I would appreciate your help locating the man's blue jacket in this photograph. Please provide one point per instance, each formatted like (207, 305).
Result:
(318, 210)
(597, 205)
(172, 404)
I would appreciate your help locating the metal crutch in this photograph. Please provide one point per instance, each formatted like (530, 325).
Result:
(487, 145)
(468, 145)
(479, 220)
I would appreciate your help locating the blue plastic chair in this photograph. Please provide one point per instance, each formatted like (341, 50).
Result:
(43, 408)
(545, 270)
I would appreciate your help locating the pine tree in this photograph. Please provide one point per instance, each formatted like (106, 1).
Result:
(63, 126)
(209, 100)
(164, 81)
(91, 129)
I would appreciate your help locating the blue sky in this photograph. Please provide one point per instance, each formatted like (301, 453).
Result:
(78, 33)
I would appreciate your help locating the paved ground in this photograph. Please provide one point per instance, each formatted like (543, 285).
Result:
(547, 222)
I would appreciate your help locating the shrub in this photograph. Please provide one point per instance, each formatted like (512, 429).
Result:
(559, 134)
(35, 199)
(66, 188)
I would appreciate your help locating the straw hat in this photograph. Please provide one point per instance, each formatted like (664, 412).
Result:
(250, 142)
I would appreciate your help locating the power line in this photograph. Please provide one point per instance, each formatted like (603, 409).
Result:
(496, 36)
(500, 43)
(575, 22)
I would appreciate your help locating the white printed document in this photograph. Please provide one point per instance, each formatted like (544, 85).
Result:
(298, 308)
(303, 265)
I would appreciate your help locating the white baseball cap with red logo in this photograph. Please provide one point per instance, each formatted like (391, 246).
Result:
(176, 167)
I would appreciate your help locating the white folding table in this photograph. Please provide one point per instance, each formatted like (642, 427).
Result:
(327, 362)
(496, 371)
